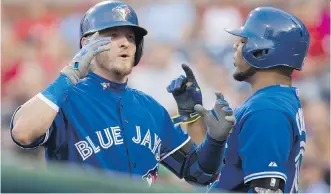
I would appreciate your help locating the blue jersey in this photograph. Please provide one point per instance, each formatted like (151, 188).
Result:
(268, 140)
(110, 126)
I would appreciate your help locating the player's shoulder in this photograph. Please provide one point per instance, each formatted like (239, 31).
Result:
(79, 90)
(279, 98)
(276, 99)
(144, 98)
(79, 85)
(82, 84)
(142, 95)
(83, 87)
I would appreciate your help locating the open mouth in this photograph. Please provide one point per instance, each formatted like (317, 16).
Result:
(124, 56)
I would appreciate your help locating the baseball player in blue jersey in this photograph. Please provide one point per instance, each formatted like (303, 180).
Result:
(89, 115)
(264, 151)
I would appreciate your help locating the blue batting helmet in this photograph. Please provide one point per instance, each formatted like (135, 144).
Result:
(281, 37)
(109, 14)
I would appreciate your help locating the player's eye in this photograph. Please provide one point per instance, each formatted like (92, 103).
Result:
(114, 35)
(131, 37)
(243, 40)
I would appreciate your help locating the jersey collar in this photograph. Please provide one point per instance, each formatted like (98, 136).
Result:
(276, 86)
(106, 84)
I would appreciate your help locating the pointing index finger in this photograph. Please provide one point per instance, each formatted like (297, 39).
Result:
(219, 96)
(189, 73)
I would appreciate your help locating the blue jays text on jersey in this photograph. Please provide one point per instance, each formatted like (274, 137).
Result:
(113, 127)
(268, 140)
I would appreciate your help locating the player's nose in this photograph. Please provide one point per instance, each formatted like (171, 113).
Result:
(235, 45)
(123, 42)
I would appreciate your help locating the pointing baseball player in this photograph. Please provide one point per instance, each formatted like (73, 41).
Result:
(265, 149)
(89, 115)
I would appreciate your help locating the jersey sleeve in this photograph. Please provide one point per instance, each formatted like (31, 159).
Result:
(264, 145)
(43, 140)
(173, 136)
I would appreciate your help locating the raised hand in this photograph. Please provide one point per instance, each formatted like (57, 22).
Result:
(219, 120)
(80, 65)
(187, 94)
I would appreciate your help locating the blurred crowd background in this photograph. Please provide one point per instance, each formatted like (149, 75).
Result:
(39, 37)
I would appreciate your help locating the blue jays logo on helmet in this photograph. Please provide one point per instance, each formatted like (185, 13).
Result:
(151, 176)
(123, 11)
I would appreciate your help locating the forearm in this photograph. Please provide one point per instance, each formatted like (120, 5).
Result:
(32, 120)
(210, 154)
(187, 163)
(35, 117)
(197, 131)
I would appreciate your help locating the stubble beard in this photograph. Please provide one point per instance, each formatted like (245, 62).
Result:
(121, 71)
(116, 70)
(245, 75)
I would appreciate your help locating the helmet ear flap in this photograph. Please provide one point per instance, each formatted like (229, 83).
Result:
(257, 50)
(260, 53)
(139, 50)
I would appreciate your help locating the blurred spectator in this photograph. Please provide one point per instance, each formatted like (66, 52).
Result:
(167, 20)
(35, 21)
(69, 29)
(312, 175)
(318, 24)
(215, 17)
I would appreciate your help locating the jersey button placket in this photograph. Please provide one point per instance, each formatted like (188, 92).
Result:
(121, 107)
(124, 137)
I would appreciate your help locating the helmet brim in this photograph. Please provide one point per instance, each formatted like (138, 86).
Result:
(139, 31)
(236, 32)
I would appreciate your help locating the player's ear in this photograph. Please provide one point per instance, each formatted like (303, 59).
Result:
(83, 41)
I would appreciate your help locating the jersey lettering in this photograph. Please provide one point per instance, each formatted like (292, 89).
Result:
(88, 147)
(84, 149)
(116, 134)
(299, 156)
(101, 140)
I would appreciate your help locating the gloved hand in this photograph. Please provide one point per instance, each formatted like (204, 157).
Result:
(80, 65)
(187, 93)
(219, 120)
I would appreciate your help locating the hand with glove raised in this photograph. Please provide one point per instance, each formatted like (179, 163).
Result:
(219, 120)
(81, 65)
(78, 68)
(187, 94)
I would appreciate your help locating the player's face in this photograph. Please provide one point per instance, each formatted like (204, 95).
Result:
(120, 58)
(243, 70)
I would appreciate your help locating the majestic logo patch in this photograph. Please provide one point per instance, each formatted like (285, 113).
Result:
(273, 164)
(151, 176)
